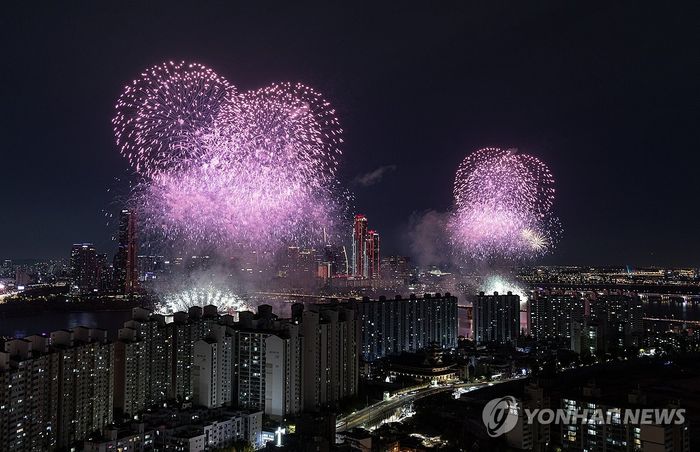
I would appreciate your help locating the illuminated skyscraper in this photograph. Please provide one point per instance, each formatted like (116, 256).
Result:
(373, 255)
(359, 247)
(125, 274)
(84, 268)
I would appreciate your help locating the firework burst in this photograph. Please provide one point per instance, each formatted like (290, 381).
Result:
(160, 115)
(208, 294)
(503, 204)
(256, 169)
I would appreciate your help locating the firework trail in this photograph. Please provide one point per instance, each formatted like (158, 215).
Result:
(255, 169)
(503, 204)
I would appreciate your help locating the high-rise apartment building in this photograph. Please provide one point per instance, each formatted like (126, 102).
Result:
(330, 357)
(552, 316)
(212, 368)
(643, 435)
(284, 372)
(181, 334)
(131, 372)
(85, 379)
(396, 268)
(621, 317)
(55, 390)
(268, 357)
(29, 395)
(496, 318)
(392, 326)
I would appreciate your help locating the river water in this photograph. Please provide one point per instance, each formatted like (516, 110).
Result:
(45, 322)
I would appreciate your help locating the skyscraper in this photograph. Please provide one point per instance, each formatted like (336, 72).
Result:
(84, 268)
(359, 247)
(125, 274)
(373, 258)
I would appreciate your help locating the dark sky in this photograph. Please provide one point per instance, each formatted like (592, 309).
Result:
(605, 93)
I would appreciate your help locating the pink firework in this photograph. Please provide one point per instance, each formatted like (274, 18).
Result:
(256, 169)
(503, 204)
(160, 115)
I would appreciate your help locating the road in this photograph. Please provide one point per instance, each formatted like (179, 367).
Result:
(377, 410)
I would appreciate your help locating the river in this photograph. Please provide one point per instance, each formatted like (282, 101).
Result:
(45, 322)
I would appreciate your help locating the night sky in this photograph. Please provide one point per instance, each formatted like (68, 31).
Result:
(606, 94)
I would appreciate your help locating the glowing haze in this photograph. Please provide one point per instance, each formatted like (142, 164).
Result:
(254, 169)
(503, 203)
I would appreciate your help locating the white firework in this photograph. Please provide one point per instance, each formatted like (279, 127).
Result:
(226, 301)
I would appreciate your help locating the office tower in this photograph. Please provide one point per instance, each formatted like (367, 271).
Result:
(125, 274)
(336, 258)
(389, 327)
(373, 255)
(330, 355)
(212, 368)
(22, 276)
(551, 316)
(105, 273)
(396, 268)
(150, 267)
(359, 247)
(496, 318)
(85, 378)
(84, 268)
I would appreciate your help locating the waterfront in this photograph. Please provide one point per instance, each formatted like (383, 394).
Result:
(45, 322)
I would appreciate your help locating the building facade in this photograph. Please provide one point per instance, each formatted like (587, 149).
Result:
(552, 316)
(330, 356)
(392, 326)
(84, 268)
(496, 318)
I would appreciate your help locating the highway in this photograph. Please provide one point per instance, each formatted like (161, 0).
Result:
(378, 410)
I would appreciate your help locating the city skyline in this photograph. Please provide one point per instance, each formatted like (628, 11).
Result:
(411, 226)
(602, 140)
